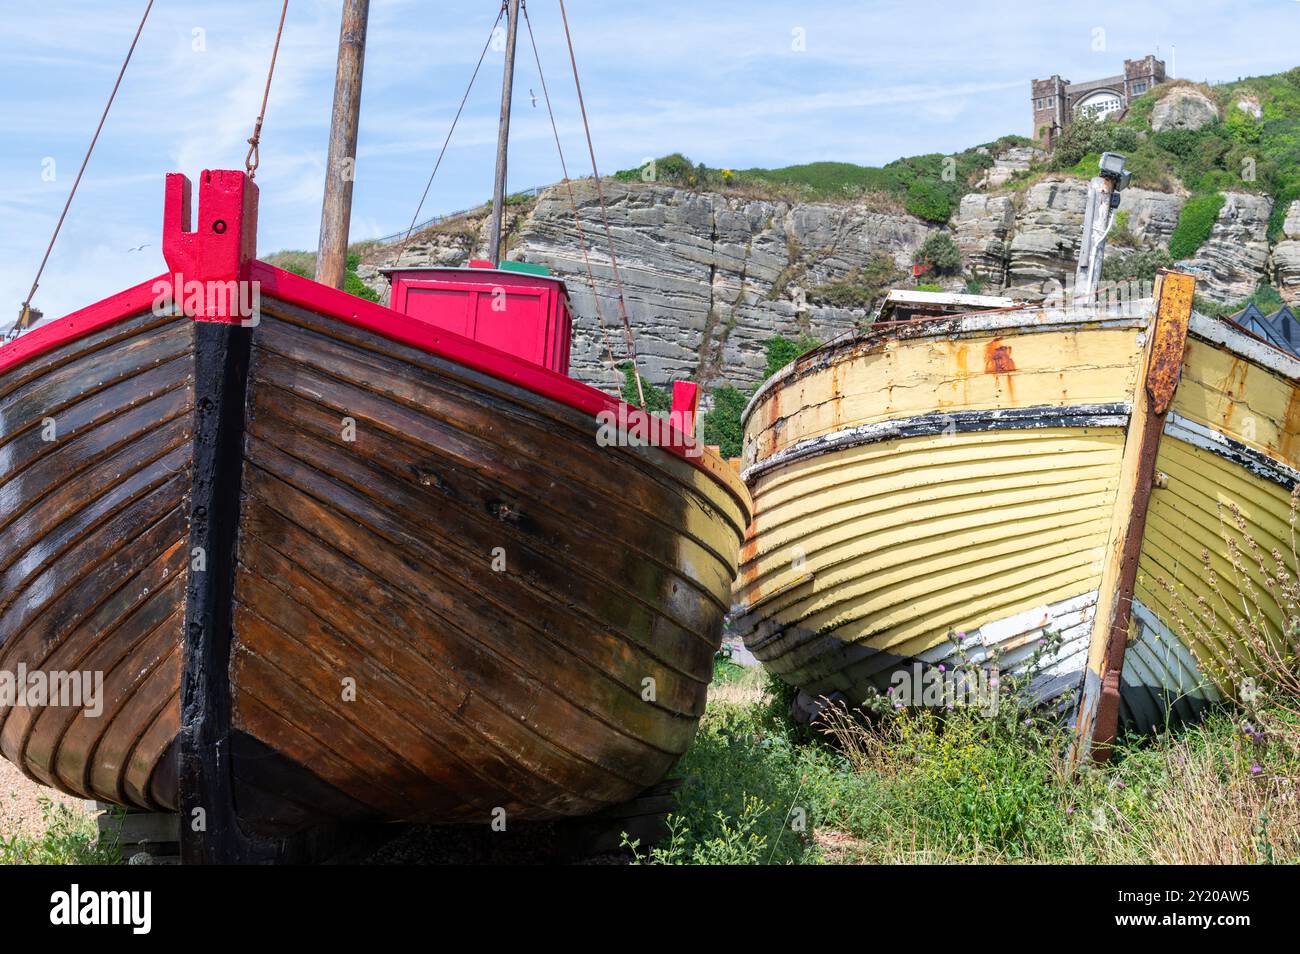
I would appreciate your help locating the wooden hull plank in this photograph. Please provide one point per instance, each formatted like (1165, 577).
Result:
(91, 568)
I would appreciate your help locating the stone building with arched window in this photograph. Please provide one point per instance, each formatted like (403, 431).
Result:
(1057, 102)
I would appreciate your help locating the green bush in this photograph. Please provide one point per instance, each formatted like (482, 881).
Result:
(352, 283)
(1266, 298)
(928, 200)
(67, 838)
(1139, 266)
(721, 423)
(753, 794)
(657, 400)
(1194, 224)
(1120, 235)
(305, 266)
(977, 789)
(861, 289)
(1085, 136)
(844, 295)
(939, 252)
(1243, 127)
(782, 350)
(1281, 202)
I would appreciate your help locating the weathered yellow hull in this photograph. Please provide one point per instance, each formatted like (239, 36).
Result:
(1232, 441)
(965, 475)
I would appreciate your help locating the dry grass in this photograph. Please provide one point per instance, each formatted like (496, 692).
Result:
(1219, 793)
(747, 689)
(1211, 813)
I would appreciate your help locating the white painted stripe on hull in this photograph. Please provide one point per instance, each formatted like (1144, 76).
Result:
(1216, 442)
(1017, 636)
(1158, 659)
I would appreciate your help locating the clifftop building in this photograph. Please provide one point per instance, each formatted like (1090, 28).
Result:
(1057, 102)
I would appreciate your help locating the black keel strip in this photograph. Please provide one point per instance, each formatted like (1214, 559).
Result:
(210, 832)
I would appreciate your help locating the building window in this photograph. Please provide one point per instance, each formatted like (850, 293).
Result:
(1139, 88)
(1098, 103)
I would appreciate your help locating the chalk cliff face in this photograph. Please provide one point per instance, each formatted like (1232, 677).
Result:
(1233, 260)
(1183, 107)
(1045, 243)
(710, 277)
(1286, 256)
(982, 228)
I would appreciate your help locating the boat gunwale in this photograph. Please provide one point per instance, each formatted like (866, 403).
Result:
(384, 321)
(873, 338)
(1216, 331)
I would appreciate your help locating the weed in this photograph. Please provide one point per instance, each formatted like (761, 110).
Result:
(68, 838)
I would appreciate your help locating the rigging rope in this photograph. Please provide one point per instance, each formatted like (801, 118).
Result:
(254, 157)
(454, 121)
(604, 212)
(24, 316)
(573, 202)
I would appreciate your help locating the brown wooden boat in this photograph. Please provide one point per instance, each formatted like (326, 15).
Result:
(335, 562)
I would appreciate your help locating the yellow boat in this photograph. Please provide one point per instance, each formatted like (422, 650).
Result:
(1009, 472)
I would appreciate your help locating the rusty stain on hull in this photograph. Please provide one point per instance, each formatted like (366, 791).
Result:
(1173, 314)
(997, 358)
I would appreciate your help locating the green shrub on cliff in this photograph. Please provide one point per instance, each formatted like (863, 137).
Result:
(1194, 224)
(939, 252)
(657, 400)
(721, 423)
(782, 350)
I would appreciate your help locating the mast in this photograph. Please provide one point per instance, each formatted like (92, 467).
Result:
(503, 134)
(340, 167)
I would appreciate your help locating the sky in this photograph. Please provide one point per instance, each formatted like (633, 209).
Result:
(732, 83)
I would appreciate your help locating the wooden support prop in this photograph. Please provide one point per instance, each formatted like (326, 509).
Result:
(1159, 371)
(340, 167)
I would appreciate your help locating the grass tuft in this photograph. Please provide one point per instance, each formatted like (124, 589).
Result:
(68, 837)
